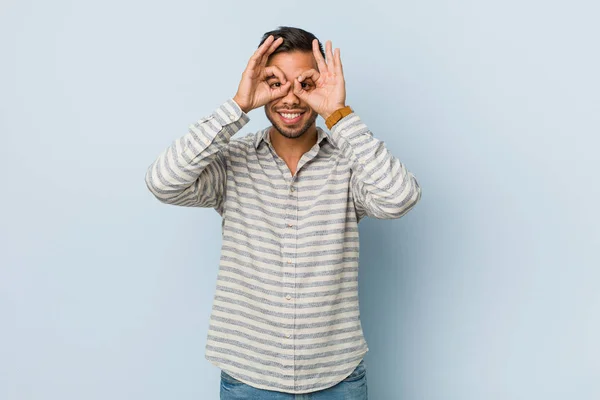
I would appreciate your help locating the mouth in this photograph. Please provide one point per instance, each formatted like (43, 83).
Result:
(290, 118)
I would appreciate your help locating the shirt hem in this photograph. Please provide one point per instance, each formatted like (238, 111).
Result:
(360, 355)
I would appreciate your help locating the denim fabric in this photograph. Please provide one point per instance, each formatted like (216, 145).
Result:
(353, 387)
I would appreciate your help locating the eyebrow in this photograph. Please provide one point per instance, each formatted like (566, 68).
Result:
(275, 77)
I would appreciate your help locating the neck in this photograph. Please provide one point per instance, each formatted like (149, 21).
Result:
(294, 148)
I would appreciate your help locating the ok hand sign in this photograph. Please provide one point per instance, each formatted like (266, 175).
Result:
(329, 92)
(253, 90)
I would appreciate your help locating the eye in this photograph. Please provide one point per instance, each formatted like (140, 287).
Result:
(275, 84)
(305, 85)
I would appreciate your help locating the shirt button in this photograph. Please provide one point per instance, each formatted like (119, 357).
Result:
(289, 261)
(290, 225)
(292, 189)
(288, 297)
(288, 335)
(232, 117)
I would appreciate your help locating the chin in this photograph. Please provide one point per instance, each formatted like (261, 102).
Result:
(292, 132)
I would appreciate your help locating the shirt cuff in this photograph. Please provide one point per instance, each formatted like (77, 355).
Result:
(349, 130)
(230, 113)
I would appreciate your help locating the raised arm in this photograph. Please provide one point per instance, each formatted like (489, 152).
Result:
(381, 185)
(193, 170)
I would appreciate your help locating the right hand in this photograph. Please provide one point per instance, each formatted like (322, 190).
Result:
(254, 91)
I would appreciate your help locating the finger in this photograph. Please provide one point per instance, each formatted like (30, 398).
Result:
(276, 72)
(299, 90)
(263, 47)
(281, 91)
(330, 61)
(257, 56)
(319, 57)
(311, 74)
(338, 62)
(276, 43)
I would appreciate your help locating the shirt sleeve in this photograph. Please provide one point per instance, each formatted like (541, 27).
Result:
(192, 171)
(381, 185)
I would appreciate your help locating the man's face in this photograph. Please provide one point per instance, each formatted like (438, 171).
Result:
(289, 115)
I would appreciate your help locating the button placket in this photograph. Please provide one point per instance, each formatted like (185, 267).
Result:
(289, 243)
(289, 260)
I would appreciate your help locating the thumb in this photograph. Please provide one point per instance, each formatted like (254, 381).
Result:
(281, 91)
(299, 91)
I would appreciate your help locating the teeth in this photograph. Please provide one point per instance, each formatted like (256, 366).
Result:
(289, 116)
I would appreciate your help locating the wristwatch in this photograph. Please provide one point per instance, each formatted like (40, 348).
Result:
(337, 115)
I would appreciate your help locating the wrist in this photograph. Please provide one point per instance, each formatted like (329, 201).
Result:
(329, 112)
(337, 115)
(240, 104)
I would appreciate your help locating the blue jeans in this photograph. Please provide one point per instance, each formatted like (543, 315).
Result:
(353, 387)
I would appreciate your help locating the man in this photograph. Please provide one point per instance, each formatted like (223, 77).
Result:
(285, 316)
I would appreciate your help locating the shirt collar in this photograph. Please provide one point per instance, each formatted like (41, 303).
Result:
(264, 135)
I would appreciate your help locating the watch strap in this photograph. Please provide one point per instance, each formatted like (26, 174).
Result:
(337, 115)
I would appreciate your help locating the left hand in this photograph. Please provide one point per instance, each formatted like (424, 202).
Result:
(325, 90)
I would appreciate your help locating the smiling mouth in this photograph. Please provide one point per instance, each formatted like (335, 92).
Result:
(290, 118)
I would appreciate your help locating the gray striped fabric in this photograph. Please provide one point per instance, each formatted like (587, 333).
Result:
(285, 315)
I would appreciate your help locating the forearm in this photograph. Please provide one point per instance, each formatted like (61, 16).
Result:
(382, 184)
(176, 176)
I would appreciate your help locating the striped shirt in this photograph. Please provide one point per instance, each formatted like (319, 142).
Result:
(285, 314)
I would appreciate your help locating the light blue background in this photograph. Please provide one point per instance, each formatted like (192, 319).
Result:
(488, 289)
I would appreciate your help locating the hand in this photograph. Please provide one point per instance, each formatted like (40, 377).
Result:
(328, 92)
(253, 90)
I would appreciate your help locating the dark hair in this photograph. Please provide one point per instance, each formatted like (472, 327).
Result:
(294, 39)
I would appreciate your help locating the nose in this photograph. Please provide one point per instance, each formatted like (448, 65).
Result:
(290, 99)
